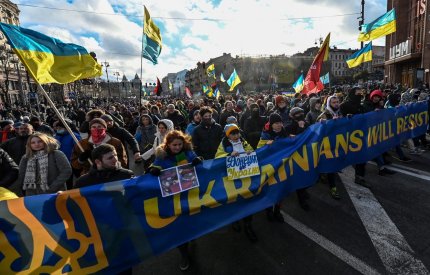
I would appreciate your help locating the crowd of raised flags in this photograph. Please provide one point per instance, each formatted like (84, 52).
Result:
(49, 60)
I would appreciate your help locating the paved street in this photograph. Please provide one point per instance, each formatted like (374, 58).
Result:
(383, 230)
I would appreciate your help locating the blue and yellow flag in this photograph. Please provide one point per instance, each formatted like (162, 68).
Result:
(151, 40)
(221, 78)
(217, 93)
(299, 84)
(382, 26)
(363, 55)
(211, 70)
(48, 59)
(234, 80)
(325, 79)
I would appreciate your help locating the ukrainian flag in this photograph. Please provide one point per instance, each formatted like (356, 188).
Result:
(211, 71)
(234, 80)
(299, 84)
(382, 26)
(48, 59)
(151, 40)
(363, 55)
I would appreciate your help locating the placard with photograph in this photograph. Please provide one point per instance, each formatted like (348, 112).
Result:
(178, 179)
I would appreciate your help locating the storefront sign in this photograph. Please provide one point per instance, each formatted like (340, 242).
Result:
(402, 49)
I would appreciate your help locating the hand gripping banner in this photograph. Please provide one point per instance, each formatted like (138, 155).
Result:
(109, 227)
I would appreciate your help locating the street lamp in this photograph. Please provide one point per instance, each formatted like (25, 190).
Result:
(117, 74)
(106, 65)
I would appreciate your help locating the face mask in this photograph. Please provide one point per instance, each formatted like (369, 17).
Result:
(299, 117)
(98, 135)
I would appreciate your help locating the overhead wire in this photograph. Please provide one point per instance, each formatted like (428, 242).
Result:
(179, 18)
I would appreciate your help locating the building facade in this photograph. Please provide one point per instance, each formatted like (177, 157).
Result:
(407, 55)
(15, 83)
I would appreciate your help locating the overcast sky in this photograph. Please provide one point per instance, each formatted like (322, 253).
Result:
(113, 29)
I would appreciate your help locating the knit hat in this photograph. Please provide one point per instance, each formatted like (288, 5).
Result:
(296, 110)
(5, 123)
(99, 121)
(376, 93)
(274, 118)
(231, 120)
(279, 99)
(106, 118)
(230, 128)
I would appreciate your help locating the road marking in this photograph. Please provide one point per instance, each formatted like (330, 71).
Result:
(337, 251)
(394, 251)
(407, 171)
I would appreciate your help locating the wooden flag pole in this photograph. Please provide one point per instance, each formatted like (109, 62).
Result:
(61, 119)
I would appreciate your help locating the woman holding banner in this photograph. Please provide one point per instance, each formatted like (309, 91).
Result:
(174, 151)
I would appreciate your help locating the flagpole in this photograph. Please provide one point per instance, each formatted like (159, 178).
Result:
(141, 61)
(42, 90)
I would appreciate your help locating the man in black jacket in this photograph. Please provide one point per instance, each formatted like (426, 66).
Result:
(8, 169)
(207, 135)
(123, 135)
(105, 168)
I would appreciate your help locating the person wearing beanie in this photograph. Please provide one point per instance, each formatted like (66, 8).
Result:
(124, 136)
(98, 135)
(7, 130)
(196, 119)
(233, 144)
(231, 120)
(281, 108)
(314, 110)
(272, 131)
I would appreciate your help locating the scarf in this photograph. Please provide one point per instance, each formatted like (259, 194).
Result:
(36, 173)
(98, 135)
(4, 135)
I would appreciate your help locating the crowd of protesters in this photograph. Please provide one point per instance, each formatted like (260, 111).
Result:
(38, 154)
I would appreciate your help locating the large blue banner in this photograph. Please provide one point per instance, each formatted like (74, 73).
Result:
(109, 227)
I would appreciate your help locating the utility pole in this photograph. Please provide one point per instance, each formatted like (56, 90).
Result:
(361, 21)
(106, 65)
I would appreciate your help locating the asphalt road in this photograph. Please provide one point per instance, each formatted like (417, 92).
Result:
(384, 230)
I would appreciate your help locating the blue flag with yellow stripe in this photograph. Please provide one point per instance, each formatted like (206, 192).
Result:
(151, 40)
(49, 60)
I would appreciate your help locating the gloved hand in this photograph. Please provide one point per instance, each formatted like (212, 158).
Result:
(84, 156)
(155, 171)
(197, 161)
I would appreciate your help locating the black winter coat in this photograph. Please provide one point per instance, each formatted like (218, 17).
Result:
(15, 147)
(8, 169)
(125, 137)
(206, 139)
(95, 176)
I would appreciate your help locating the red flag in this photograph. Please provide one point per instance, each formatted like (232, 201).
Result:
(188, 92)
(158, 89)
(312, 83)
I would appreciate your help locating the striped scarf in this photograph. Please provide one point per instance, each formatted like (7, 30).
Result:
(36, 173)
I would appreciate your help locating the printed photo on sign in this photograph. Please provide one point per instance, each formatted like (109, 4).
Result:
(188, 177)
(169, 182)
(243, 166)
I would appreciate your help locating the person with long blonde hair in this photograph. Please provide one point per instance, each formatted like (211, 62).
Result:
(43, 169)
